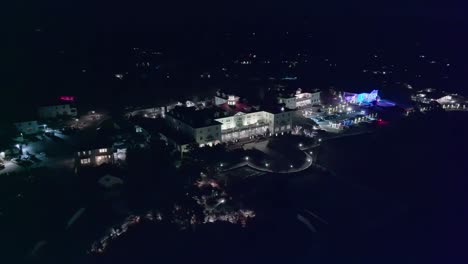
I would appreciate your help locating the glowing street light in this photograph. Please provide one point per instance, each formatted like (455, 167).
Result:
(221, 165)
(266, 164)
(291, 166)
(309, 160)
(310, 152)
(247, 158)
(319, 140)
(300, 145)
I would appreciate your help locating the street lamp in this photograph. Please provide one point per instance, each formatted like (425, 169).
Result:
(309, 160)
(291, 166)
(246, 158)
(300, 145)
(266, 164)
(320, 140)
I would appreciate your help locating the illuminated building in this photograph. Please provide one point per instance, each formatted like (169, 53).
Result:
(299, 99)
(95, 156)
(229, 120)
(446, 100)
(362, 98)
(241, 121)
(222, 98)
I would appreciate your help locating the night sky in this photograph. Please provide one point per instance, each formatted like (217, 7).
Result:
(48, 43)
(166, 15)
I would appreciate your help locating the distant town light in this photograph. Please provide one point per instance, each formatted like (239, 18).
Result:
(349, 109)
(266, 164)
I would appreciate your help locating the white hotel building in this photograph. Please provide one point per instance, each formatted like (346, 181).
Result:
(229, 120)
(300, 99)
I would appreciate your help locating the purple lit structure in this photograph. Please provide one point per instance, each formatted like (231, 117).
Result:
(362, 98)
(367, 98)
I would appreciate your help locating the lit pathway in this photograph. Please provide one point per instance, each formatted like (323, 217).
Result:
(308, 162)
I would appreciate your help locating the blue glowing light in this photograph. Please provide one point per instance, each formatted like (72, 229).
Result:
(362, 98)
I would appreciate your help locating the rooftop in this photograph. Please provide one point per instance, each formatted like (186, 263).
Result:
(195, 117)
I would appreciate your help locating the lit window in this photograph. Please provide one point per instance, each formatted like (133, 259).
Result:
(85, 161)
(102, 150)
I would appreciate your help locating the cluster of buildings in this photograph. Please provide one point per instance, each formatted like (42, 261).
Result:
(446, 100)
(230, 118)
(298, 99)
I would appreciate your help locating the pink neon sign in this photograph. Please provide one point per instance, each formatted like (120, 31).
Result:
(67, 98)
